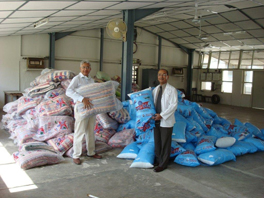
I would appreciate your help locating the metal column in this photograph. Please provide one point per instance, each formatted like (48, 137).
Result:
(127, 54)
(189, 72)
(52, 51)
(101, 49)
(130, 16)
(159, 53)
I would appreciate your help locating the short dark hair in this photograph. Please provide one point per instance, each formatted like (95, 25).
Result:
(165, 71)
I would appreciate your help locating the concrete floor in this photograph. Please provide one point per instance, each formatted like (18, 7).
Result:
(112, 178)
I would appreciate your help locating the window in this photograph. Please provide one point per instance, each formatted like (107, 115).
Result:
(248, 79)
(214, 60)
(206, 86)
(205, 61)
(258, 62)
(246, 59)
(223, 60)
(234, 57)
(135, 74)
(227, 81)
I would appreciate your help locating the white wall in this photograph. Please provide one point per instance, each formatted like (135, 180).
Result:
(70, 50)
(9, 64)
(236, 98)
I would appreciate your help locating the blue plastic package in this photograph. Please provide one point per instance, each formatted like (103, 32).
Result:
(184, 110)
(179, 117)
(144, 137)
(196, 117)
(129, 152)
(211, 112)
(238, 122)
(145, 157)
(254, 130)
(201, 111)
(178, 132)
(176, 149)
(129, 125)
(238, 132)
(216, 157)
(216, 133)
(257, 142)
(145, 109)
(188, 146)
(205, 144)
(242, 148)
(187, 158)
(191, 136)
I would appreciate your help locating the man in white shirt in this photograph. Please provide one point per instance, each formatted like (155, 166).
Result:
(82, 126)
(166, 101)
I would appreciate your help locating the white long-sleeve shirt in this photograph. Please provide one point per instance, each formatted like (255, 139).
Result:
(76, 82)
(169, 103)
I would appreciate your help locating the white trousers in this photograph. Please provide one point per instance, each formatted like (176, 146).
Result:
(83, 127)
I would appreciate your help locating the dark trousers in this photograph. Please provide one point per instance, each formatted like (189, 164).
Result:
(162, 138)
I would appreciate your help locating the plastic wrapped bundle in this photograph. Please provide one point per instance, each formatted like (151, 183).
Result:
(32, 119)
(53, 126)
(65, 83)
(10, 107)
(31, 159)
(106, 122)
(23, 135)
(54, 93)
(41, 89)
(100, 147)
(103, 76)
(57, 106)
(53, 76)
(102, 96)
(122, 138)
(30, 146)
(121, 116)
(61, 144)
(104, 135)
(26, 103)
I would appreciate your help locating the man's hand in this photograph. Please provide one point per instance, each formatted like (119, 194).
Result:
(157, 117)
(87, 103)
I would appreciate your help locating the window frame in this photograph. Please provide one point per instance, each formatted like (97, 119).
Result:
(245, 82)
(227, 81)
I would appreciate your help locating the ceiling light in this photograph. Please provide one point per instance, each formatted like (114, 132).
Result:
(214, 12)
(41, 22)
(230, 33)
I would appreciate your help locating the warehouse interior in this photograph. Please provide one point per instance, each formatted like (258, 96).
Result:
(213, 50)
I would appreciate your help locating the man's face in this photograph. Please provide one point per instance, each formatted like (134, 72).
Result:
(85, 69)
(162, 77)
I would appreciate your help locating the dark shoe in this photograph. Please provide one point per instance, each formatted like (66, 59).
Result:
(156, 164)
(158, 169)
(96, 156)
(77, 161)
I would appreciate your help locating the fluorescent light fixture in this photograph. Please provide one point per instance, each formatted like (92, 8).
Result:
(231, 33)
(41, 22)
